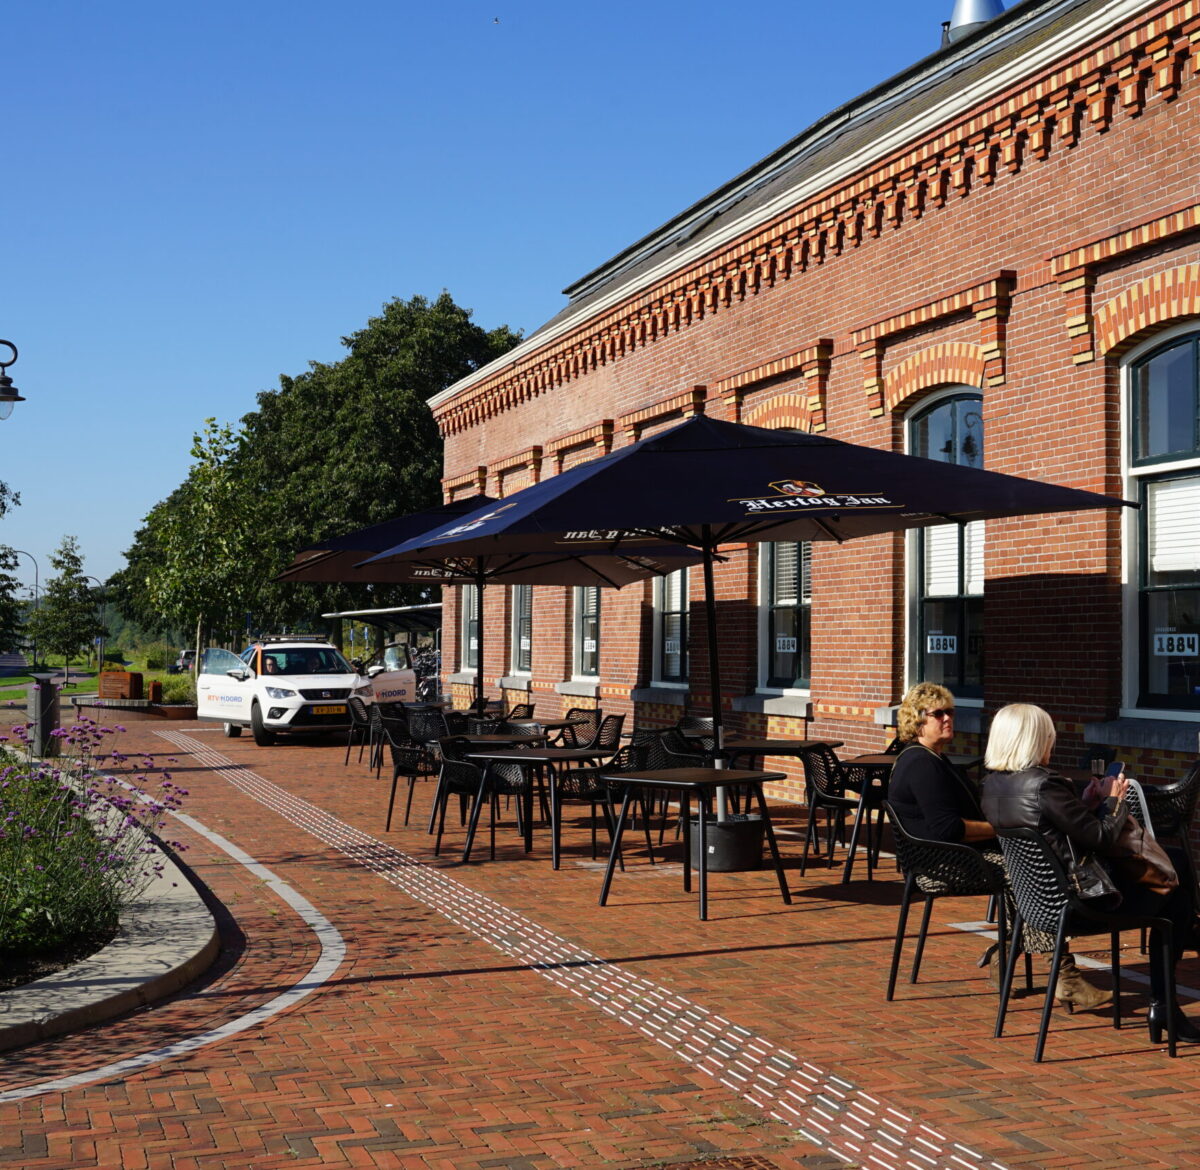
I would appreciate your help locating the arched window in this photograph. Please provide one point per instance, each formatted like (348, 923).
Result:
(1164, 469)
(948, 595)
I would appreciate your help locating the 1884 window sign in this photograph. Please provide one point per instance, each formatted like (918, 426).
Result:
(1177, 645)
(941, 644)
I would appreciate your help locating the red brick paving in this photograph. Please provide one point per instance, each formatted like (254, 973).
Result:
(430, 1048)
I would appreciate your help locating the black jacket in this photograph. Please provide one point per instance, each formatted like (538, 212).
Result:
(1040, 799)
(931, 796)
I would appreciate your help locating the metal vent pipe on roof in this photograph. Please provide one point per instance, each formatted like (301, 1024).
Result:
(968, 15)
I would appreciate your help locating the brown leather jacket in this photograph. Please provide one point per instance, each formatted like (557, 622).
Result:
(1040, 799)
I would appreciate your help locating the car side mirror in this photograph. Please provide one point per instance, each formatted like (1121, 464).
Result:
(241, 674)
(372, 671)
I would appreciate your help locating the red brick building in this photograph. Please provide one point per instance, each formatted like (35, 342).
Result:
(992, 258)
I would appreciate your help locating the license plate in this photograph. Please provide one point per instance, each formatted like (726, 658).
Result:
(337, 709)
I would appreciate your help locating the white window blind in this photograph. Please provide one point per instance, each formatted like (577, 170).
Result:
(941, 561)
(1174, 525)
(973, 547)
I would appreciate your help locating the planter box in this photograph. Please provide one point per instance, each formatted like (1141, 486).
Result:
(120, 684)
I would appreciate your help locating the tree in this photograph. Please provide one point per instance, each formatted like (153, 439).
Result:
(207, 555)
(67, 620)
(12, 611)
(350, 444)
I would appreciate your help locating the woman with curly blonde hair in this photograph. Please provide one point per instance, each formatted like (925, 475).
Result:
(934, 800)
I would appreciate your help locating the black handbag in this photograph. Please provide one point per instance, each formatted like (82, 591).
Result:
(1090, 882)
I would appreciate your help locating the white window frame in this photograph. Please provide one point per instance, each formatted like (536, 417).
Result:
(515, 632)
(659, 650)
(577, 650)
(912, 547)
(468, 604)
(1131, 477)
(764, 632)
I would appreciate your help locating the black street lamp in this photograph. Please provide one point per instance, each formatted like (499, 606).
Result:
(9, 394)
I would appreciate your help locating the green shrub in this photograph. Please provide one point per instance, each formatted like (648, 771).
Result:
(116, 657)
(179, 688)
(75, 839)
(157, 655)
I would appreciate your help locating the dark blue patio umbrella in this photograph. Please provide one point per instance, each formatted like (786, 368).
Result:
(343, 559)
(705, 483)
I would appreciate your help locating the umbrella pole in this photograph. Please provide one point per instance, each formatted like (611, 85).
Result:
(480, 701)
(714, 669)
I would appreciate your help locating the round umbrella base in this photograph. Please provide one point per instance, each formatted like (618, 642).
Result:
(733, 844)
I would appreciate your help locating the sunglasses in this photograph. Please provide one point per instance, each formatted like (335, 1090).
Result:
(940, 713)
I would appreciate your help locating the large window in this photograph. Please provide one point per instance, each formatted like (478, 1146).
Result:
(788, 603)
(470, 627)
(1164, 396)
(949, 578)
(522, 629)
(671, 627)
(587, 631)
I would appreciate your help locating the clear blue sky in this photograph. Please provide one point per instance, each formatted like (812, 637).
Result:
(198, 198)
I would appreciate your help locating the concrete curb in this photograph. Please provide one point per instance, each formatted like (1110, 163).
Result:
(164, 942)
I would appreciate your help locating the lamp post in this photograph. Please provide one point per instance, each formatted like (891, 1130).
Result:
(9, 394)
(36, 596)
(99, 620)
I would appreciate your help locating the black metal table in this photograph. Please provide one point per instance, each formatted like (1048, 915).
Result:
(701, 782)
(551, 757)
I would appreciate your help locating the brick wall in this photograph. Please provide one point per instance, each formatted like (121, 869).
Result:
(1002, 263)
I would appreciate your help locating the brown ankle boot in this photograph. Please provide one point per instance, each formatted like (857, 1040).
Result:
(1073, 991)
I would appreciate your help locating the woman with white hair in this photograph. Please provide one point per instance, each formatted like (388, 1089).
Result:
(935, 800)
(1021, 792)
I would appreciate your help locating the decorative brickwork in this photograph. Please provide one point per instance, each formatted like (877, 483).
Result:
(951, 363)
(988, 302)
(813, 362)
(1148, 59)
(1075, 270)
(470, 483)
(517, 471)
(784, 411)
(1156, 300)
(674, 409)
(580, 446)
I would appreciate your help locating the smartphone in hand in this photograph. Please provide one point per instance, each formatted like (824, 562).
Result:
(1115, 768)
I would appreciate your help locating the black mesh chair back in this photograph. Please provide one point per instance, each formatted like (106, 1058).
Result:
(455, 747)
(608, 734)
(360, 727)
(582, 734)
(427, 726)
(939, 869)
(1173, 806)
(1045, 902)
(520, 711)
(456, 777)
(523, 730)
(694, 723)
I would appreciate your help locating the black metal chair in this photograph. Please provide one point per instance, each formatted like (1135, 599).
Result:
(940, 869)
(583, 785)
(407, 760)
(608, 734)
(836, 789)
(360, 727)
(582, 733)
(520, 711)
(1045, 902)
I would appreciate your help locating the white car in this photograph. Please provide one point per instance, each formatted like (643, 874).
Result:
(282, 684)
